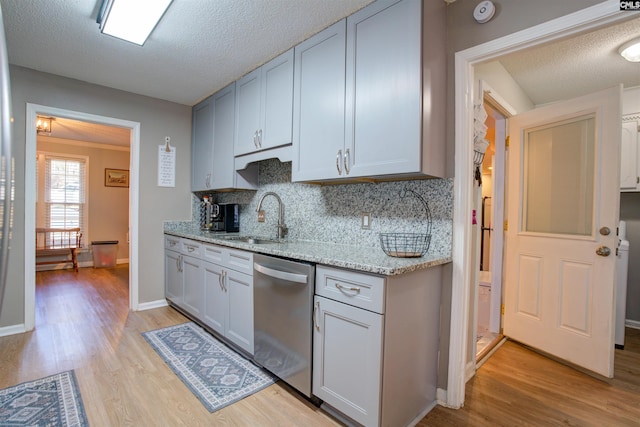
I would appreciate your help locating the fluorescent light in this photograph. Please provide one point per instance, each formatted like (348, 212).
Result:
(631, 50)
(132, 20)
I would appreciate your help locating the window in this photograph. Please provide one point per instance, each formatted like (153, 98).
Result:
(63, 197)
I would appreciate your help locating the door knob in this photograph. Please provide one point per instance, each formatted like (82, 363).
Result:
(605, 231)
(603, 251)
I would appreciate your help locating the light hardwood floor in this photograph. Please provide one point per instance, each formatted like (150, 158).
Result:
(82, 323)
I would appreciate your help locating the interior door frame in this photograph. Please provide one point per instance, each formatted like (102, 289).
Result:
(33, 110)
(590, 18)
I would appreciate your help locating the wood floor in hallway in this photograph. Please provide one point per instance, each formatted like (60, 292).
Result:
(83, 323)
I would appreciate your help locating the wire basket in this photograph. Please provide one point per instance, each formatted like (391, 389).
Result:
(408, 245)
(405, 245)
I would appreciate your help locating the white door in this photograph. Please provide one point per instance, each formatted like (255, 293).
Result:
(563, 206)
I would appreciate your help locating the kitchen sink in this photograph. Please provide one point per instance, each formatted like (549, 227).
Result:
(251, 239)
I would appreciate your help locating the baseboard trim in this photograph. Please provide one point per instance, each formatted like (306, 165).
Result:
(12, 330)
(441, 397)
(423, 414)
(152, 304)
(635, 324)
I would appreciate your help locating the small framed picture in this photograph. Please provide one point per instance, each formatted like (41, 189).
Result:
(116, 178)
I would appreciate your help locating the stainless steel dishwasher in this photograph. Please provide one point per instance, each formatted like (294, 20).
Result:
(283, 301)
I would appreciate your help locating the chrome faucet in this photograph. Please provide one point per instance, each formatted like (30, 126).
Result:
(282, 228)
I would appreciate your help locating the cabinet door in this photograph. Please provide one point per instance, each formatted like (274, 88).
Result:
(277, 102)
(173, 289)
(247, 113)
(193, 285)
(202, 146)
(319, 91)
(223, 130)
(347, 359)
(239, 288)
(384, 91)
(216, 305)
(629, 156)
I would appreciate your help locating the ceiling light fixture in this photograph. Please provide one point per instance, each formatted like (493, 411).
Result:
(631, 50)
(43, 125)
(131, 20)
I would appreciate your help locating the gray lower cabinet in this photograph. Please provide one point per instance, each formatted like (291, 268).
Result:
(173, 285)
(214, 284)
(229, 304)
(375, 344)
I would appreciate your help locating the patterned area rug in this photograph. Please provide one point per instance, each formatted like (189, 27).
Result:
(50, 401)
(217, 375)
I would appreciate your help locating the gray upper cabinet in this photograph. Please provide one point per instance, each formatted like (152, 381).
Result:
(264, 106)
(213, 139)
(202, 146)
(319, 94)
(394, 95)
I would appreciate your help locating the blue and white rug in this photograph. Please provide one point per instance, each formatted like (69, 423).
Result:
(51, 401)
(217, 375)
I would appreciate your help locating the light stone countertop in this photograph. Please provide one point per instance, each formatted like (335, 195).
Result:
(367, 259)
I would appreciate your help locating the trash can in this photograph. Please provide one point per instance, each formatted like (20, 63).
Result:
(104, 253)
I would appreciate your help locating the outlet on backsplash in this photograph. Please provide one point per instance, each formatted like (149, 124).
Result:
(366, 221)
(260, 216)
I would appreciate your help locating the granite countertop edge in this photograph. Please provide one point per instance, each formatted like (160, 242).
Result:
(366, 259)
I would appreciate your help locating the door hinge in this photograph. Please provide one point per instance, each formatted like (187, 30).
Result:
(502, 309)
(506, 226)
(637, 179)
(506, 141)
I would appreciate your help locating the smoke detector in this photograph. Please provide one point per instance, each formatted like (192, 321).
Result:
(484, 11)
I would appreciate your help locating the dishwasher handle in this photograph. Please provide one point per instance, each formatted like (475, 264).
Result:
(278, 274)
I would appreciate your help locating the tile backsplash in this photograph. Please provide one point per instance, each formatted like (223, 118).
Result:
(333, 213)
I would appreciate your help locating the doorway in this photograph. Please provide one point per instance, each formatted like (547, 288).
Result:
(33, 111)
(491, 208)
(589, 19)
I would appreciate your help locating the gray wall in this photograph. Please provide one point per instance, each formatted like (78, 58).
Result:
(158, 118)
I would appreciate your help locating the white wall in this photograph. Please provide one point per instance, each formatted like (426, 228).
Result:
(157, 118)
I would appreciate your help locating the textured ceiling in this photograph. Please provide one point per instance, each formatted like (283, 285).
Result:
(576, 66)
(87, 132)
(198, 47)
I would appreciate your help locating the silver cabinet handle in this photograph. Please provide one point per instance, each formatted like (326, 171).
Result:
(178, 263)
(255, 139)
(316, 309)
(260, 138)
(190, 248)
(338, 156)
(347, 159)
(172, 243)
(224, 280)
(347, 288)
(278, 274)
(221, 279)
(207, 181)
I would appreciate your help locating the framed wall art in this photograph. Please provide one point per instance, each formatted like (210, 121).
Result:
(116, 177)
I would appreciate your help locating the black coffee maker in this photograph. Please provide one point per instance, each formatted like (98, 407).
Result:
(225, 217)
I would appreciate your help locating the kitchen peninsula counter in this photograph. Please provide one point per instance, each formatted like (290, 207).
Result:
(360, 258)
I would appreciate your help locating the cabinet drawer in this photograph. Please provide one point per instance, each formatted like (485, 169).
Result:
(357, 289)
(191, 248)
(213, 253)
(172, 242)
(241, 261)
